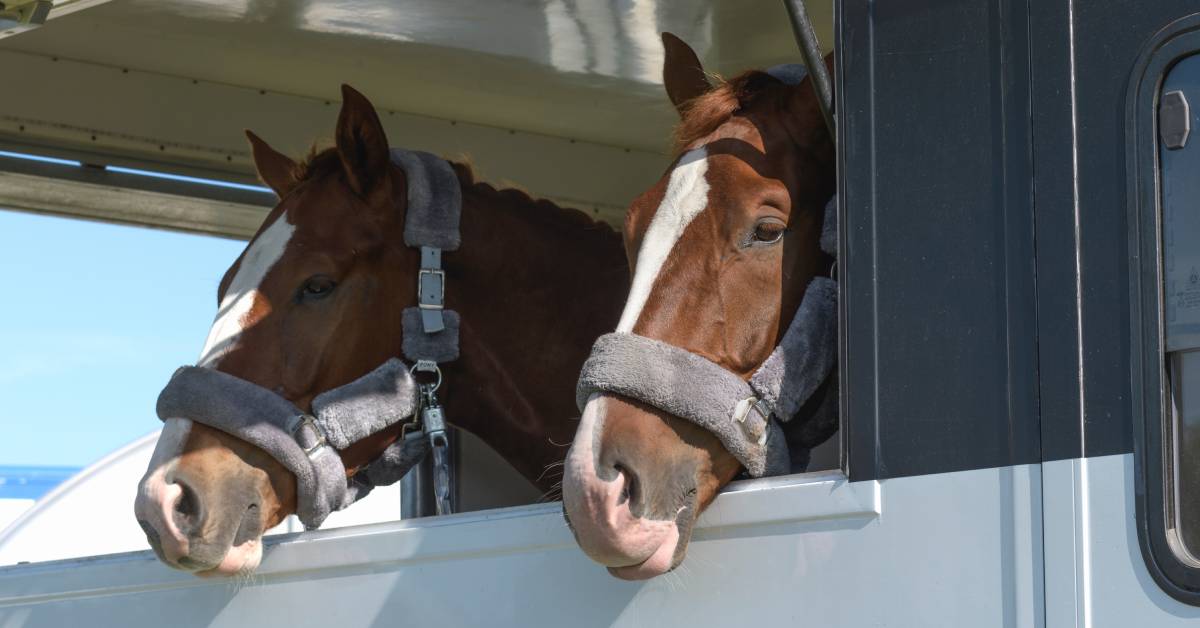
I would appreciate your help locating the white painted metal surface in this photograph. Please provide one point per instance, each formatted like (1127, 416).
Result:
(955, 549)
(1095, 574)
(583, 69)
(958, 549)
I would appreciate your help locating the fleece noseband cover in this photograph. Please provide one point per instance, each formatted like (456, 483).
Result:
(304, 444)
(737, 412)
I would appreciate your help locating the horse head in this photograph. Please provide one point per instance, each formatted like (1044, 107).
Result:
(721, 248)
(293, 317)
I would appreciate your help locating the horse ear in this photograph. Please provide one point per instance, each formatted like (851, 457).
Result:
(274, 168)
(683, 75)
(361, 142)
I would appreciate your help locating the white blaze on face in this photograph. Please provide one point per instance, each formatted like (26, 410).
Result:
(157, 494)
(239, 298)
(686, 197)
(605, 526)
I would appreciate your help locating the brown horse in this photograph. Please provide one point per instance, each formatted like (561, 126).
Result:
(315, 301)
(722, 249)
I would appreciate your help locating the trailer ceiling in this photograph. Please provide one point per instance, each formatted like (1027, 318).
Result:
(561, 97)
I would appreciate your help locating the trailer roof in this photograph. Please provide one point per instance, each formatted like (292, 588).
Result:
(562, 97)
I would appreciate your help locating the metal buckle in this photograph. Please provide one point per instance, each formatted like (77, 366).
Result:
(743, 408)
(301, 421)
(441, 289)
(742, 411)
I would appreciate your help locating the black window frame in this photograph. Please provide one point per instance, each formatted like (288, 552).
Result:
(1149, 392)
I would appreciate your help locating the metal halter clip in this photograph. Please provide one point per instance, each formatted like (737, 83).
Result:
(306, 420)
(433, 422)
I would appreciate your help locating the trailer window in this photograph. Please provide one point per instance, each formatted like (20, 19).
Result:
(1179, 158)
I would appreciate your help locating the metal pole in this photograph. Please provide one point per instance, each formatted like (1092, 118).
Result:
(810, 48)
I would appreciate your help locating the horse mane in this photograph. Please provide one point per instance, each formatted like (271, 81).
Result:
(321, 162)
(516, 197)
(704, 113)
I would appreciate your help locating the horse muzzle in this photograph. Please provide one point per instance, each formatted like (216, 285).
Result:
(199, 522)
(631, 526)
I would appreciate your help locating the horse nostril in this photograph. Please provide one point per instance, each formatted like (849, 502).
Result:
(188, 513)
(629, 485)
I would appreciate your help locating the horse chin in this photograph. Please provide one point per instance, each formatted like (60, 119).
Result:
(239, 560)
(664, 559)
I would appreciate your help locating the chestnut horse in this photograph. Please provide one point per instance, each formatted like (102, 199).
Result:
(315, 301)
(722, 249)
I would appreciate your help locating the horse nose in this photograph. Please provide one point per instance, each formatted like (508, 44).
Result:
(603, 499)
(156, 509)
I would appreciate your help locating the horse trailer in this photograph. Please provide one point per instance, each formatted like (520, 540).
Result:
(1017, 442)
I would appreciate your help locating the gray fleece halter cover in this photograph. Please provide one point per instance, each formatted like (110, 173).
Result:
(737, 412)
(307, 444)
(744, 415)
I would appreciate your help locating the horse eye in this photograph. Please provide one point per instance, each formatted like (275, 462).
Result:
(769, 232)
(316, 287)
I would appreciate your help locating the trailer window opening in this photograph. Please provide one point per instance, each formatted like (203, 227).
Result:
(1180, 161)
(1181, 299)
(1167, 320)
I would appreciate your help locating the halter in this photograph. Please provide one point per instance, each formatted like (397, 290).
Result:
(308, 444)
(739, 413)
(746, 416)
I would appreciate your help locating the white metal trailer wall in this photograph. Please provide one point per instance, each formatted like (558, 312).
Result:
(959, 549)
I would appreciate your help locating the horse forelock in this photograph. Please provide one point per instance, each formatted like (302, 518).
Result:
(706, 113)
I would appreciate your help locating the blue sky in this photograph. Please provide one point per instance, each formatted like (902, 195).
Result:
(94, 319)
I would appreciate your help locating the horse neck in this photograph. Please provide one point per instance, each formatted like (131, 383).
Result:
(535, 285)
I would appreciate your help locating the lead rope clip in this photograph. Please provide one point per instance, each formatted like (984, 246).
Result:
(433, 420)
